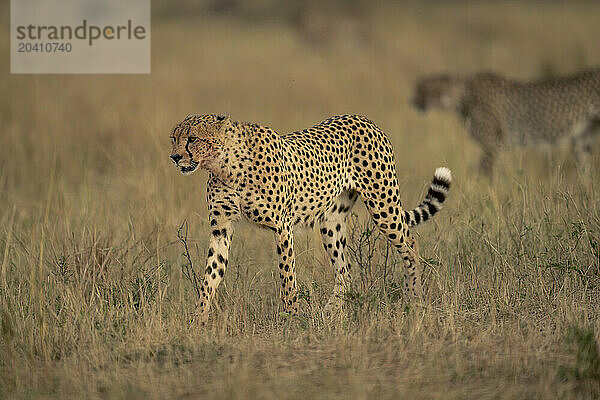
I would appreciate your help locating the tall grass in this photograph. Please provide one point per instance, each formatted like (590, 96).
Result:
(93, 301)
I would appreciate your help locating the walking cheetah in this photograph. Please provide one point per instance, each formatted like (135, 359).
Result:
(500, 112)
(306, 177)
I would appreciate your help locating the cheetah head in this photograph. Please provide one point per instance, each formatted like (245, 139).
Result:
(437, 91)
(198, 141)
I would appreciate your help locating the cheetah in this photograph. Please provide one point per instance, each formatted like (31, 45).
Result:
(500, 113)
(302, 178)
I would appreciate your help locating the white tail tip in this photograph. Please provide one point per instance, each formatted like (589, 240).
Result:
(443, 174)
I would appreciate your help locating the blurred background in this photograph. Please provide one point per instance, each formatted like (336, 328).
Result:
(284, 64)
(90, 204)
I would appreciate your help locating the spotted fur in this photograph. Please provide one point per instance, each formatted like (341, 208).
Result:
(313, 176)
(501, 112)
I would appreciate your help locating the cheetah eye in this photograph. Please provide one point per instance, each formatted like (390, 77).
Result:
(192, 139)
(172, 139)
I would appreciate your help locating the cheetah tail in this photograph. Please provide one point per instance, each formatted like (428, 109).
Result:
(440, 185)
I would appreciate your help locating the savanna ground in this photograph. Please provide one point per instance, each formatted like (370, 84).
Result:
(93, 302)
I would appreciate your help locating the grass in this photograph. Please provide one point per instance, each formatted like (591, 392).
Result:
(93, 300)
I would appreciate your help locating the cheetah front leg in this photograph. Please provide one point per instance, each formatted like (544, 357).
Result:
(287, 268)
(216, 264)
(582, 145)
(223, 211)
(484, 128)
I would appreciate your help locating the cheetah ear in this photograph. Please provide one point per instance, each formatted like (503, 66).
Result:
(223, 119)
(222, 122)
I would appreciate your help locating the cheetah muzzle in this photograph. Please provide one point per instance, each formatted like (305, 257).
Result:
(189, 169)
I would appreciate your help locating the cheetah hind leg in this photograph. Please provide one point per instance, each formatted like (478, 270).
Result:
(333, 233)
(392, 224)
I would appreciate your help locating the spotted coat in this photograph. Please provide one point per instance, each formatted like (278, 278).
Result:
(309, 177)
(501, 113)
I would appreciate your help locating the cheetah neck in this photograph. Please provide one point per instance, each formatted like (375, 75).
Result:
(228, 164)
(456, 96)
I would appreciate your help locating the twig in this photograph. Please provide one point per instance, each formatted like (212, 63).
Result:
(188, 269)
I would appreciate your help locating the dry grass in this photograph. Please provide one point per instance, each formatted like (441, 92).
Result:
(92, 300)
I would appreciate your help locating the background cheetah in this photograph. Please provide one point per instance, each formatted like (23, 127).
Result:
(313, 175)
(500, 112)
